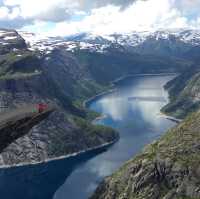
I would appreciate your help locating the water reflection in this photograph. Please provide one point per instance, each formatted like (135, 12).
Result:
(138, 122)
(39, 181)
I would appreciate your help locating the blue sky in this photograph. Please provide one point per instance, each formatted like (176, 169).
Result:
(68, 17)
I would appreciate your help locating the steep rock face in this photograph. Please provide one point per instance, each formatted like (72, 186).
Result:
(56, 136)
(69, 75)
(10, 40)
(18, 122)
(167, 169)
(31, 77)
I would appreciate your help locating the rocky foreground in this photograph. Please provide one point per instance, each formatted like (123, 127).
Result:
(18, 122)
(166, 169)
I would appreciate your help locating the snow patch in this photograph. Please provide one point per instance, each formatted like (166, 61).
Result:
(10, 38)
(99, 44)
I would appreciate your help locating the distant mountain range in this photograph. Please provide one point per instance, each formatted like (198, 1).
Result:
(142, 42)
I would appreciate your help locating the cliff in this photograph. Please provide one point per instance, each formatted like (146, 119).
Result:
(18, 122)
(31, 77)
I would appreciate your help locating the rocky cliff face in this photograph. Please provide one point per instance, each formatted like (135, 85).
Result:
(59, 134)
(18, 122)
(10, 40)
(166, 169)
(33, 77)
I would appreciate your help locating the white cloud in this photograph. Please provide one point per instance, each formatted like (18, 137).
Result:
(4, 12)
(141, 15)
(43, 9)
(8, 14)
(55, 10)
(188, 6)
(100, 16)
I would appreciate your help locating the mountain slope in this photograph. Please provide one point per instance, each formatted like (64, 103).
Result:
(166, 169)
(184, 94)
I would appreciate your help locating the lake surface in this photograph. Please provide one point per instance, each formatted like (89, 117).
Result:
(133, 109)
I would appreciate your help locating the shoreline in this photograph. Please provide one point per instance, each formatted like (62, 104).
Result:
(101, 117)
(87, 102)
(142, 74)
(49, 160)
(168, 117)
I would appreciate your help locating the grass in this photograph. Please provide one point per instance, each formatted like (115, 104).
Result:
(93, 130)
(11, 63)
(19, 75)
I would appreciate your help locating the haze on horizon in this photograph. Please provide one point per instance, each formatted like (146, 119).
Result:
(69, 17)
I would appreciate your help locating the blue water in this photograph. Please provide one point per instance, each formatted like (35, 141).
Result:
(133, 110)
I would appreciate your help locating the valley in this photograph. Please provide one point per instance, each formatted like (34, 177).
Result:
(66, 72)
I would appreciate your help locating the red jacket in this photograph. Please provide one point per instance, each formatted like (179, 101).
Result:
(42, 107)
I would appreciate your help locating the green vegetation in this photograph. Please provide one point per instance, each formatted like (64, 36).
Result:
(106, 67)
(87, 88)
(18, 75)
(94, 130)
(18, 64)
(184, 94)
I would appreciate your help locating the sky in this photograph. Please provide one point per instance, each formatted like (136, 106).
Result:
(101, 17)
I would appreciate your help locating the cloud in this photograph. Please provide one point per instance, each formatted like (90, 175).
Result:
(188, 7)
(99, 16)
(139, 16)
(55, 10)
(47, 10)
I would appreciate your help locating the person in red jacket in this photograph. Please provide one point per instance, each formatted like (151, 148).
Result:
(42, 107)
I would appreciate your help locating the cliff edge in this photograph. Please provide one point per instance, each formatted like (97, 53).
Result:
(18, 122)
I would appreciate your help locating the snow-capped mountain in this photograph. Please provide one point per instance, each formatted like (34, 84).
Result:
(136, 41)
(10, 40)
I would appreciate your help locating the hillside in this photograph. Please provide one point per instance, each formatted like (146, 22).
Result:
(167, 169)
(184, 94)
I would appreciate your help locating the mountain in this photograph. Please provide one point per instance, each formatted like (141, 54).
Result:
(27, 77)
(10, 40)
(167, 169)
(162, 42)
(67, 71)
(184, 93)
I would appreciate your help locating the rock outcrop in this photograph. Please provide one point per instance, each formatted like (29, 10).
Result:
(11, 41)
(18, 122)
